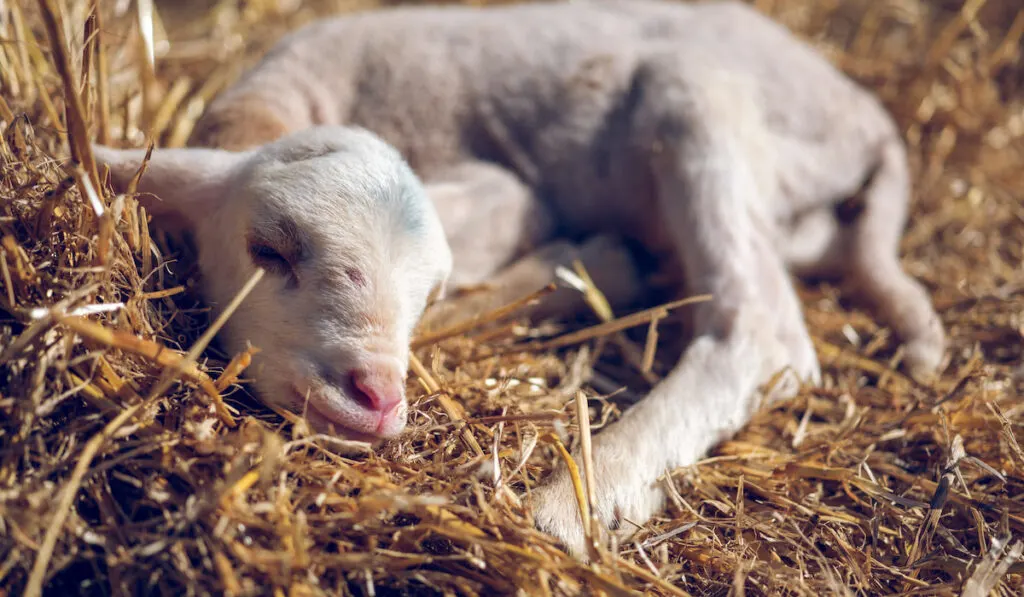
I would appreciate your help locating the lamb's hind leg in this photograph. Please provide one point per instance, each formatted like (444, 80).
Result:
(489, 216)
(500, 237)
(608, 262)
(875, 271)
(695, 123)
(857, 240)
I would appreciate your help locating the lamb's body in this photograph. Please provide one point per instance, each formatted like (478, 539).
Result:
(560, 96)
(704, 132)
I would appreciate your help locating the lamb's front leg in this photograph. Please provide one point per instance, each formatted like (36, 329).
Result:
(704, 400)
(708, 152)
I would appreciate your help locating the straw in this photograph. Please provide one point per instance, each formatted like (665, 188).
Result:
(134, 459)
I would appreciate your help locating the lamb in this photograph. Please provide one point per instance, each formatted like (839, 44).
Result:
(362, 161)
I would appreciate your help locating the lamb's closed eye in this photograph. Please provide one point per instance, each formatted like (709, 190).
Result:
(274, 261)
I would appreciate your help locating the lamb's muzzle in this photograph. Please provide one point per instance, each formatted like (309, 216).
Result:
(378, 387)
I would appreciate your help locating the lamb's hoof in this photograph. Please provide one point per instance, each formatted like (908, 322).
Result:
(923, 359)
(622, 501)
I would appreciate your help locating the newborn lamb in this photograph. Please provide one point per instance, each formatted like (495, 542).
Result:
(704, 132)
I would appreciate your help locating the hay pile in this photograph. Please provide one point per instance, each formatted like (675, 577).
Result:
(115, 477)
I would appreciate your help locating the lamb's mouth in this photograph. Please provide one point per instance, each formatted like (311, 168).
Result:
(323, 423)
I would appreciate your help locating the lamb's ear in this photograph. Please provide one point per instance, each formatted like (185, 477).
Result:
(179, 186)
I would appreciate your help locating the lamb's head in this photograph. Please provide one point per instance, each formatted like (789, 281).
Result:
(352, 249)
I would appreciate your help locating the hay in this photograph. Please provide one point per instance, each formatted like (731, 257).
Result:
(124, 470)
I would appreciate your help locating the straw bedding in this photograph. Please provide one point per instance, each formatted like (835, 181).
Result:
(132, 460)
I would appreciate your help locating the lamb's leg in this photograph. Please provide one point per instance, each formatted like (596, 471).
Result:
(607, 261)
(872, 244)
(498, 233)
(489, 216)
(857, 240)
(700, 129)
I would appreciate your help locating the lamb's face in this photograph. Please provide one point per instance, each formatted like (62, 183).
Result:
(352, 249)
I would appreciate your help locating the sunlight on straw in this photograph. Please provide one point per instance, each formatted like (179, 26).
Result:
(569, 277)
(145, 8)
(44, 312)
(90, 191)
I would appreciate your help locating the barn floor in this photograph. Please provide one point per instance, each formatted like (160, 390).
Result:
(114, 479)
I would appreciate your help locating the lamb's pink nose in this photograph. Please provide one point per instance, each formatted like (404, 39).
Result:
(379, 386)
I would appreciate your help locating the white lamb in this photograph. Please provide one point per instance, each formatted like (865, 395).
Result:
(703, 131)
